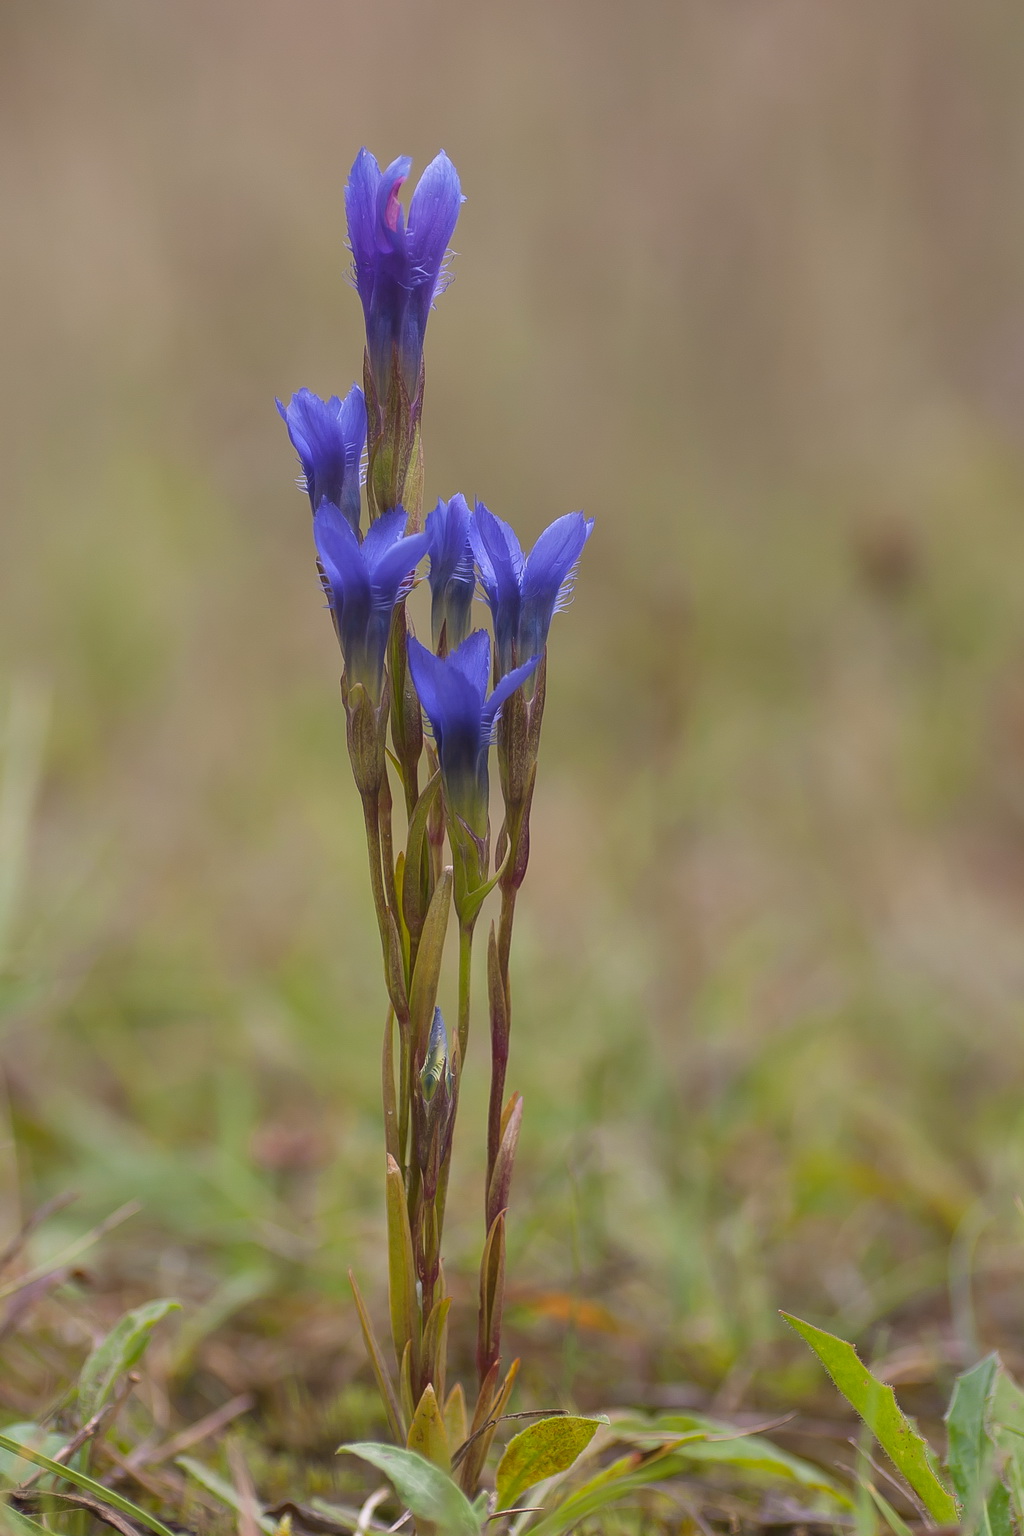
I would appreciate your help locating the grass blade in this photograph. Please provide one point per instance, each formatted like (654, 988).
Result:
(88, 1484)
(223, 1490)
(380, 1370)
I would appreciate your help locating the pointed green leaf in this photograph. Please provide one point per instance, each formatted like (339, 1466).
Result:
(380, 1370)
(428, 1492)
(542, 1450)
(405, 1325)
(427, 1433)
(122, 1348)
(698, 1438)
(876, 1403)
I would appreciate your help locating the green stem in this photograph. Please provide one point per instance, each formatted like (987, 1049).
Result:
(500, 1047)
(404, 1054)
(505, 921)
(465, 978)
(371, 818)
(387, 845)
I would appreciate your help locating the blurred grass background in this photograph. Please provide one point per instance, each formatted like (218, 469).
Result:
(742, 278)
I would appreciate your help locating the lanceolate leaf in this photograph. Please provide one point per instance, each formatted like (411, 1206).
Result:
(122, 1348)
(428, 1492)
(544, 1449)
(427, 1433)
(401, 1267)
(698, 1438)
(380, 1370)
(876, 1403)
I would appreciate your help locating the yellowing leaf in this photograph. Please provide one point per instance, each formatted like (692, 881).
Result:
(544, 1449)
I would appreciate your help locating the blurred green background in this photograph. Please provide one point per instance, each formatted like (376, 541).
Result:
(742, 278)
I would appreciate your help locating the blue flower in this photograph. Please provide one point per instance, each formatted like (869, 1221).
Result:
(525, 591)
(364, 582)
(436, 1071)
(453, 691)
(451, 575)
(328, 436)
(399, 268)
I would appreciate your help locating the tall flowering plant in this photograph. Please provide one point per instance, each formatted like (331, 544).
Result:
(447, 705)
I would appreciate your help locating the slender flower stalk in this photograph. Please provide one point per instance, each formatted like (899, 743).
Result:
(523, 592)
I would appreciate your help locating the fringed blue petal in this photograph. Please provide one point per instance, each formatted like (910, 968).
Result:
(361, 213)
(452, 578)
(328, 436)
(472, 659)
(500, 561)
(395, 565)
(398, 266)
(504, 691)
(347, 578)
(547, 581)
(433, 214)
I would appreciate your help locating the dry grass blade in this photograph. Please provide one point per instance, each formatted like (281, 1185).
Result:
(202, 1429)
(755, 1429)
(96, 1507)
(248, 1507)
(165, 1487)
(24, 1301)
(505, 1418)
(325, 1519)
(34, 1222)
(72, 1251)
(365, 1522)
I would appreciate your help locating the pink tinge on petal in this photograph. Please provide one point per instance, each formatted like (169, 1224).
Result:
(393, 208)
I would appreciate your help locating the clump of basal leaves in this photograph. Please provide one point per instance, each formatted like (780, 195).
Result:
(554, 1475)
(563, 1471)
(981, 1487)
